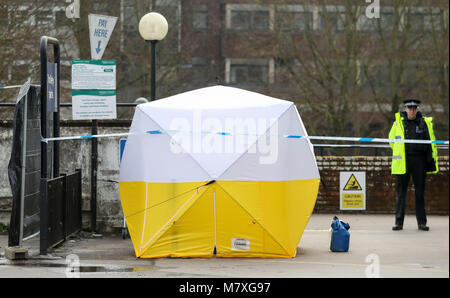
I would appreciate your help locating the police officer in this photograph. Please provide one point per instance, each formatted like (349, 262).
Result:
(412, 159)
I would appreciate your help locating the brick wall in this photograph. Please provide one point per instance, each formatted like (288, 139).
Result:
(380, 185)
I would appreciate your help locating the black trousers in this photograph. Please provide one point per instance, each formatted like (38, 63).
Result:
(415, 167)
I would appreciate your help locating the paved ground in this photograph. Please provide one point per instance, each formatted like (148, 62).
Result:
(375, 251)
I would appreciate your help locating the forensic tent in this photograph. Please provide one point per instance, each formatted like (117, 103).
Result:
(217, 171)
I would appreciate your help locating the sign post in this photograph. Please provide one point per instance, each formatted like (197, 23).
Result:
(94, 90)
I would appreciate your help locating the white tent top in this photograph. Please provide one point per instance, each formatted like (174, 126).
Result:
(223, 98)
(192, 148)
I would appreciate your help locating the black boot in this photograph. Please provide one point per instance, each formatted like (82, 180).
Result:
(397, 228)
(423, 228)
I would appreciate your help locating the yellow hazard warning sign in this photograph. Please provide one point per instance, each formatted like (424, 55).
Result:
(352, 201)
(352, 190)
(352, 184)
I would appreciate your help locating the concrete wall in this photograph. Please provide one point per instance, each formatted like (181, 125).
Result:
(76, 154)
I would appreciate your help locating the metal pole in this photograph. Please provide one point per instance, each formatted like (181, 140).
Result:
(56, 129)
(79, 199)
(153, 70)
(45, 40)
(94, 154)
(24, 166)
(43, 186)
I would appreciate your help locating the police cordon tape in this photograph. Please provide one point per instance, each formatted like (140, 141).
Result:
(10, 87)
(322, 138)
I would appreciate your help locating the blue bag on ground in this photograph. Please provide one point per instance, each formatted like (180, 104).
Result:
(340, 237)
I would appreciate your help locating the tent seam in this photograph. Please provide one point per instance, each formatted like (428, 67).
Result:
(165, 201)
(246, 151)
(191, 157)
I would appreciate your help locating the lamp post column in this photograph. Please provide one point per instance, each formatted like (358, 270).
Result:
(152, 28)
(153, 70)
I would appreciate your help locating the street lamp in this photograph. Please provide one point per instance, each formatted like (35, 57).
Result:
(153, 27)
(141, 100)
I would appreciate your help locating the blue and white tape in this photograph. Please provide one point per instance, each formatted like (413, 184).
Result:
(10, 87)
(321, 138)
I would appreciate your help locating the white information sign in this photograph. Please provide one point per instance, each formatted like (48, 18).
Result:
(93, 104)
(94, 74)
(100, 30)
(353, 190)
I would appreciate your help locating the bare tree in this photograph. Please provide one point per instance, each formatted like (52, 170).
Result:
(24, 22)
(21, 26)
(414, 58)
(323, 62)
(350, 73)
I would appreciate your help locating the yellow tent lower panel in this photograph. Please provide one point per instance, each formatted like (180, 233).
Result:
(269, 217)
(238, 218)
(191, 235)
(239, 233)
(152, 210)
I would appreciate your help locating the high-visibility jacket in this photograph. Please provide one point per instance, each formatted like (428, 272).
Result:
(397, 131)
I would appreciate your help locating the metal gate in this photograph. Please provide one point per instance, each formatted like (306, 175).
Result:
(61, 216)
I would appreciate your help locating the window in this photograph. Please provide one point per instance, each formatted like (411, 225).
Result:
(200, 17)
(386, 20)
(260, 20)
(333, 20)
(294, 21)
(101, 7)
(416, 21)
(244, 73)
(248, 71)
(332, 17)
(431, 21)
(167, 2)
(44, 17)
(130, 20)
(240, 20)
(21, 16)
(424, 19)
(248, 17)
(294, 18)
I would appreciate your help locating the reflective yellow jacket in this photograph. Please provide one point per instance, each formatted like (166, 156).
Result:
(397, 131)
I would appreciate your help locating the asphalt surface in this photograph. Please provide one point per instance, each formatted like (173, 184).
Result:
(375, 251)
